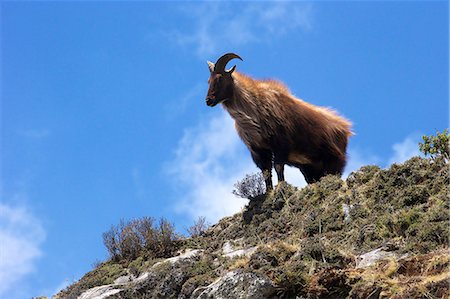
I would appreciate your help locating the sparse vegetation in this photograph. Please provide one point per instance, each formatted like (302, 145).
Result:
(199, 227)
(250, 187)
(131, 239)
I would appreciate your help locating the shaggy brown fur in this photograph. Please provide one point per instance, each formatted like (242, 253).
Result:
(279, 128)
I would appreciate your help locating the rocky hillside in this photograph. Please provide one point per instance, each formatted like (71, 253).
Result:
(379, 234)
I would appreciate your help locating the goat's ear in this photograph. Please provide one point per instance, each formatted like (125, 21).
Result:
(230, 71)
(211, 66)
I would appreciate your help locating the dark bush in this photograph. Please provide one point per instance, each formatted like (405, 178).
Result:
(129, 239)
(250, 187)
(199, 227)
(111, 242)
(166, 239)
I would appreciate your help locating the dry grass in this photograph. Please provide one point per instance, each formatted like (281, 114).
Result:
(239, 263)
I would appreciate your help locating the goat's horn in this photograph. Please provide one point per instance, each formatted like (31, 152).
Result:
(222, 62)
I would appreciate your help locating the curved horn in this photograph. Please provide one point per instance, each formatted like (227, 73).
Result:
(222, 62)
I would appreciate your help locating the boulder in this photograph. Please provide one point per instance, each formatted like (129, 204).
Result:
(237, 284)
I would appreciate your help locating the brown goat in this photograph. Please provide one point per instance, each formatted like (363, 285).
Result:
(277, 127)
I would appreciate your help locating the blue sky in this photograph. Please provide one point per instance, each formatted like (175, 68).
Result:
(103, 114)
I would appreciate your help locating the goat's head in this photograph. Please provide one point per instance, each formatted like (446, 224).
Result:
(220, 81)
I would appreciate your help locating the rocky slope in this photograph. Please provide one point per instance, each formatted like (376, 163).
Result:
(379, 234)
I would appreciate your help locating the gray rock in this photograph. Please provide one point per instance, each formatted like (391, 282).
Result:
(100, 292)
(124, 279)
(163, 280)
(346, 209)
(229, 251)
(371, 257)
(188, 254)
(237, 284)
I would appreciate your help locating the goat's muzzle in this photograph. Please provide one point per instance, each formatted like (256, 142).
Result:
(211, 102)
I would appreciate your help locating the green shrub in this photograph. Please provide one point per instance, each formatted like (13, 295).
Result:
(436, 145)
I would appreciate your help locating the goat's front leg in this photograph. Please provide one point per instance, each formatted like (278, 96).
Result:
(263, 159)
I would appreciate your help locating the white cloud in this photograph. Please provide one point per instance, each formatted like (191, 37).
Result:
(209, 159)
(293, 176)
(405, 149)
(21, 235)
(234, 24)
(402, 151)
